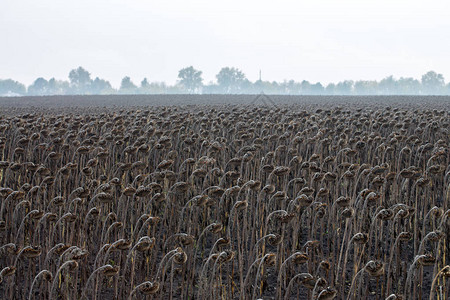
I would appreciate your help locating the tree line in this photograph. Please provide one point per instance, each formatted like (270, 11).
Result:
(228, 81)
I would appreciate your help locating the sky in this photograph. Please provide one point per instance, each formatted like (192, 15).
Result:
(314, 40)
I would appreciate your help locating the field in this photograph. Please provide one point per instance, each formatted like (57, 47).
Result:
(224, 197)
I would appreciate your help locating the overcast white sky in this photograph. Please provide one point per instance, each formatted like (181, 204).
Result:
(316, 40)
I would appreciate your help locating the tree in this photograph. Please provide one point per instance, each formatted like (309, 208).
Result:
(51, 87)
(144, 88)
(317, 89)
(432, 83)
(330, 89)
(291, 87)
(127, 86)
(246, 86)
(211, 88)
(101, 86)
(305, 87)
(144, 83)
(39, 87)
(408, 86)
(230, 80)
(344, 87)
(387, 86)
(157, 88)
(365, 87)
(58, 87)
(259, 86)
(191, 79)
(80, 80)
(11, 87)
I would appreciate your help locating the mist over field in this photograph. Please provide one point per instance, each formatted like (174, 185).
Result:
(229, 81)
(233, 47)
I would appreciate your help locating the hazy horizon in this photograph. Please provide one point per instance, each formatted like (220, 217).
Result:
(324, 41)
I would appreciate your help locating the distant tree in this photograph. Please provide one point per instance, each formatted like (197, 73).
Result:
(51, 87)
(158, 88)
(211, 88)
(58, 87)
(100, 86)
(175, 89)
(144, 83)
(247, 87)
(275, 88)
(289, 87)
(39, 87)
(294, 87)
(305, 87)
(329, 89)
(144, 87)
(11, 87)
(388, 86)
(365, 87)
(190, 79)
(127, 86)
(317, 89)
(231, 80)
(80, 81)
(344, 87)
(408, 86)
(259, 86)
(433, 83)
